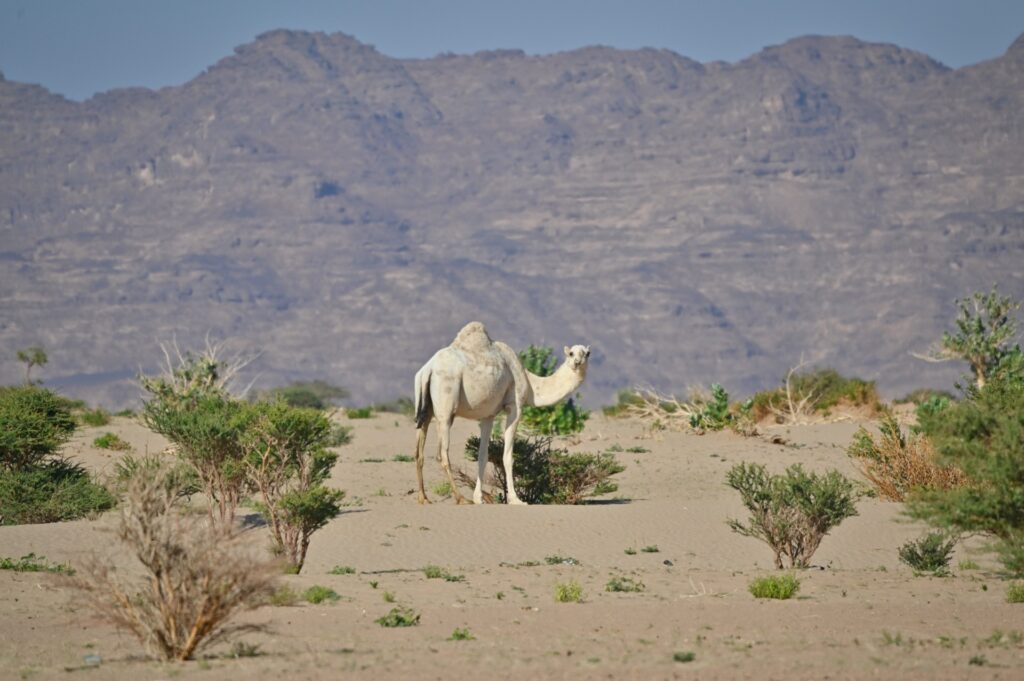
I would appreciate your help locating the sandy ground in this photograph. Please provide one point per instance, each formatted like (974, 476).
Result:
(859, 614)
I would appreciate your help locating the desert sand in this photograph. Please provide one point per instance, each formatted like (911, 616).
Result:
(860, 613)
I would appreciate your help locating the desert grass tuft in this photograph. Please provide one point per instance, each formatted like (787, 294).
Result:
(569, 592)
(780, 587)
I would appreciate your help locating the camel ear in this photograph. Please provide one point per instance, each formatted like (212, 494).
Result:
(586, 351)
(565, 349)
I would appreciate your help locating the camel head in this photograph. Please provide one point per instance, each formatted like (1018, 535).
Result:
(577, 356)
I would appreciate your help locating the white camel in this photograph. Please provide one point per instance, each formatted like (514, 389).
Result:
(477, 378)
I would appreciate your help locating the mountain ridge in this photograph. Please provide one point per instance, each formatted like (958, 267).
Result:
(695, 222)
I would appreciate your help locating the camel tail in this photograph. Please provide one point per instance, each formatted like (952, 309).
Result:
(422, 397)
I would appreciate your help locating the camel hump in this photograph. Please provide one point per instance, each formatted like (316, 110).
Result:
(473, 338)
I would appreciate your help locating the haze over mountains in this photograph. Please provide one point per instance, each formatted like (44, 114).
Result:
(346, 212)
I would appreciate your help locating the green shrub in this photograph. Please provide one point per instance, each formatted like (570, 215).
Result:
(930, 553)
(461, 635)
(207, 427)
(342, 570)
(684, 656)
(569, 592)
(625, 400)
(653, 548)
(824, 389)
(287, 461)
(52, 492)
(779, 587)
(400, 405)
(340, 435)
(551, 476)
(359, 412)
(713, 413)
(310, 394)
(34, 424)
(317, 594)
(564, 418)
(624, 584)
(33, 563)
(111, 441)
(922, 395)
(95, 417)
(793, 512)
(399, 617)
(1015, 593)
(983, 435)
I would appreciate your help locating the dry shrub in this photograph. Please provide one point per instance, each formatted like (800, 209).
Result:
(895, 464)
(196, 574)
(657, 411)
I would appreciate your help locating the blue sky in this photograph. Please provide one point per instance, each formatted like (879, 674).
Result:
(79, 47)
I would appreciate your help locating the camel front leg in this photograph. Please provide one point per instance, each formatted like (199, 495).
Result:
(421, 440)
(481, 459)
(444, 434)
(511, 422)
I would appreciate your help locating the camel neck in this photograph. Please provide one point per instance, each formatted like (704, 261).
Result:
(548, 390)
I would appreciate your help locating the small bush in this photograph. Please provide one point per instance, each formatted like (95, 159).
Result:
(930, 553)
(317, 594)
(922, 395)
(896, 464)
(560, 560)
(287, 460)
(55, 491)
(818, 390)
(624, 584)
(443, 488)
(436, 572)
(111, 441)
(779, 587)
(197, 575)
(461, 635)
(399, 617)
(309, 394)
(339, 436)
(359, 412)
(712, 413)
(684, 656)
(653, 548)
(569, 592)
(33, 563)
(34, 424)
(564, 418)
(342, 570)
(1015, 593)
(791, 513)
(95, 417)
(550, 476)
(403, 458)
(401, 405)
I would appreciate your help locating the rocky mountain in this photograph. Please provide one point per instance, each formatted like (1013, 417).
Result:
(345, 213)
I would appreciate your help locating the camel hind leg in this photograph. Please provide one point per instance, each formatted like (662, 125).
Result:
(421, 441)
(511, 422)
(443, 437)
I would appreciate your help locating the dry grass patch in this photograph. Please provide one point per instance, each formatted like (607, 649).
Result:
(895, 463)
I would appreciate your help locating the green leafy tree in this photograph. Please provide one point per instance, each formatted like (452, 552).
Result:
(312, 394)
(287, 460)
(983, 435)
(34, 356)
(985, 328)
(564, 418)
(793, 512)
